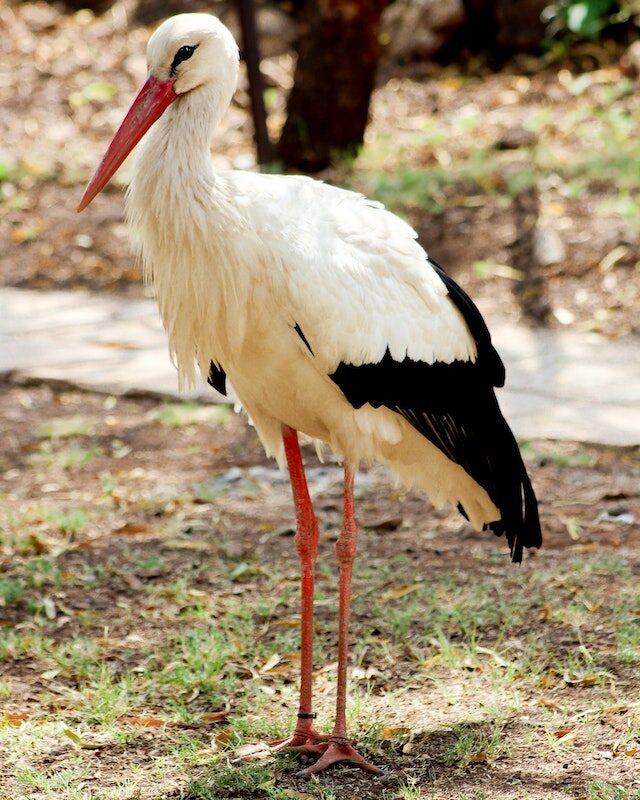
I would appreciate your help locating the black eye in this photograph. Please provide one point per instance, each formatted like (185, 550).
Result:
(183, 54)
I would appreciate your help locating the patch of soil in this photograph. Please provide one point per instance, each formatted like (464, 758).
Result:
(166, 505)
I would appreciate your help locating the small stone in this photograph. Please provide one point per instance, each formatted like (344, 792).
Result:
(630, 61)
(232, 475)
(620, 517)
(83, 240)
(548, 247)
(515, 137)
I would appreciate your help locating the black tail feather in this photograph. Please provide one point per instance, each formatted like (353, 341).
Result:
(515, 498)
(482, 443)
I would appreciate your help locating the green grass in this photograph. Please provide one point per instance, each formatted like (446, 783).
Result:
(600, 790)
(54, 781)
(473, 746)
(445, 161)
(109, 697)
(182, 415)
(63, 428)
(187, 671)
(73, 457)
(26, 530)
(409, 791)
(257, 780)
(11, 591)
(461, 665)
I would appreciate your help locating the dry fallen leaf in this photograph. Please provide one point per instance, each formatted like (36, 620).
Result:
(24, 234)
(542, 701)
(614, 709)
(590, 679)
(547, 680)
(481, 757)
(271, 662)
(612, 258)
(392, 732)
(253, 752)
(222, 738)
(496, 656)
(79, 742)
(38, 545)
(573, 526)
(397, 592)
(129, 528)
(285, 623)
(563, 733)
(214, 716)
(584, 548)
(49, 608)
(16, 718)
(145, 722)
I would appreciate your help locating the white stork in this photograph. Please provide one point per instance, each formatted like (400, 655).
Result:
(326, 316)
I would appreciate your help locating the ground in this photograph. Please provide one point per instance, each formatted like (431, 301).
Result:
(148, 578)
(149, 602)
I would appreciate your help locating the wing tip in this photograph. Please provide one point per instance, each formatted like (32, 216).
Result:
(521, 527)
(217, 379)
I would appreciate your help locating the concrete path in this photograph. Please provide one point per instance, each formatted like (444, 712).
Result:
(560, 385)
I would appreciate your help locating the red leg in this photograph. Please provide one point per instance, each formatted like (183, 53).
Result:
(338, 748)
(306, 540)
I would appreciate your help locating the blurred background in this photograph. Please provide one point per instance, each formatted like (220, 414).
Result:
(507, 133)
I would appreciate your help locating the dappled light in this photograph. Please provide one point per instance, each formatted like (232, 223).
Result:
(158, 633)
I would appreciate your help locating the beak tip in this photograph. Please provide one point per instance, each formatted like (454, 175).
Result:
(86, 198)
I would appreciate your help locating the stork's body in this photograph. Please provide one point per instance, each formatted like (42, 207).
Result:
(324, 314)
(279, 280)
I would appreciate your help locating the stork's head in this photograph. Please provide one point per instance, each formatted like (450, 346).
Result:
(187, 52)
(191, 50)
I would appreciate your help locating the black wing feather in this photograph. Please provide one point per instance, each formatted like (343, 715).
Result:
(217, 378)
(454, 406)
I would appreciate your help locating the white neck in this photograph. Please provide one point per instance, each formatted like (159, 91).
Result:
(174, 160)
(182, 217)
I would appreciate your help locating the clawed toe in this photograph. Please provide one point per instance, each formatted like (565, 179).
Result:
(332, 752)
(301, 741)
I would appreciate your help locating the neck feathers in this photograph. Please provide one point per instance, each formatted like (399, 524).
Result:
(183, 220)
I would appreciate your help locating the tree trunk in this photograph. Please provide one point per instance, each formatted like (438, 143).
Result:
(328, 107)
(520, 25)
(510, 25)
(531, 290)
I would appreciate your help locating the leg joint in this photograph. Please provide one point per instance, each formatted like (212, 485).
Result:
(346, 545)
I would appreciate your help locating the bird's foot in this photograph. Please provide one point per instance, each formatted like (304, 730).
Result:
(300, 740)
(334, 750)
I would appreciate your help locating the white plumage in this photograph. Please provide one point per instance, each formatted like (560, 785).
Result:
(237, 259)
(325, 315)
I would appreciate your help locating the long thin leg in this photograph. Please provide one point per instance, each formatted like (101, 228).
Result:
(306, 540)
(339, 748)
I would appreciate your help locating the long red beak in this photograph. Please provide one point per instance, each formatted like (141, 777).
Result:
(151, 102)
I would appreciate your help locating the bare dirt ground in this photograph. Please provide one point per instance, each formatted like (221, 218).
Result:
(149, 602)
